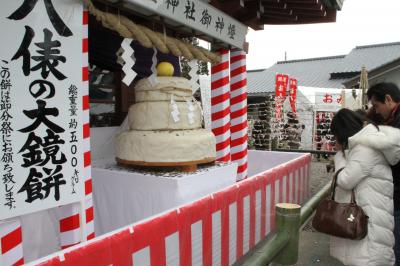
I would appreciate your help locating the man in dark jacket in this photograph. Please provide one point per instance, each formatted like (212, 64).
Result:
(385, 100)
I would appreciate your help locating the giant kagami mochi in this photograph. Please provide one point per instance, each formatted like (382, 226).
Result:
(165, 124)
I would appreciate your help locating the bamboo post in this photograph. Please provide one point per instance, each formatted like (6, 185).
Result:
(283, 246)
(288, 223)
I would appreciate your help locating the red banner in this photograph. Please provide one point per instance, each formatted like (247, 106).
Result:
(293, 93)
(285, 80)
(281, 82)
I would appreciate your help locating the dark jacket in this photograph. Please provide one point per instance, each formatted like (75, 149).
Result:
(396, 169)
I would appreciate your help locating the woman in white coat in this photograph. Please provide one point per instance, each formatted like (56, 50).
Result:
(366, 152)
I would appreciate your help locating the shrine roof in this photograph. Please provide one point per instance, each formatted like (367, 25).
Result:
(325, 72)
(255, 14)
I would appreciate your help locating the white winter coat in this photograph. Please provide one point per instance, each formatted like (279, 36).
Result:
(367, 171)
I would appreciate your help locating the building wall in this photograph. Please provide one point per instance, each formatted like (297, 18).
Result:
(391, 76)
(305, 105)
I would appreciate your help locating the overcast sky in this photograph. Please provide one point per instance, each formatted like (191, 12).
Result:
(360, 22)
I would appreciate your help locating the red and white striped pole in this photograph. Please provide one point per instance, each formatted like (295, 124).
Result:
(70, 226)
(11, 243)
(89, 216)
(238, 102)
(220, 106)
(70, 221)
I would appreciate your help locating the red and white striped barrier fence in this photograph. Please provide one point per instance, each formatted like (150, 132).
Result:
(220, 106)
(238, 102)
(216, 230)
(11, 243)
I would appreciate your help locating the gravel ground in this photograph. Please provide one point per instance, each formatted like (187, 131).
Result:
(314, 247)
(319, 178)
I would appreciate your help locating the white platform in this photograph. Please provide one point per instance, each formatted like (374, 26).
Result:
(260, 161)
(123, 196)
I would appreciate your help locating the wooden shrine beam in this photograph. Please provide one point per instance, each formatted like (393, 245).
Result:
(310, 13)
(273, 6)
(256, 13)
(232, 7)
(313, 8)
(254, 23)
(278, 13)
(278, 20)
(252, 7)
(252, 20)
(330, 17)
(271, 1)
(319, 11)
(306, 6)
(301, 1)
(299, 19)
(247, 12)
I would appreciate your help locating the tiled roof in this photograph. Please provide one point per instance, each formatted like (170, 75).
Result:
(313, 72)
(370, 56)
(316, 72)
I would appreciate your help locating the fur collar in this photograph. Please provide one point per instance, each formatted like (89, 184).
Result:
(370, 136)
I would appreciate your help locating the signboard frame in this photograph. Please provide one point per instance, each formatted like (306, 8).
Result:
(197, 15)
(46, 138)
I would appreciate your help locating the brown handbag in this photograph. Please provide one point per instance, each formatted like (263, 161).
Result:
(345, 220)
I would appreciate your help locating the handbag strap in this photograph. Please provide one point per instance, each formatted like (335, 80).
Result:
(333, 187)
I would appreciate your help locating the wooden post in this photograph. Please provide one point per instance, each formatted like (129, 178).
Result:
(288, 223)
